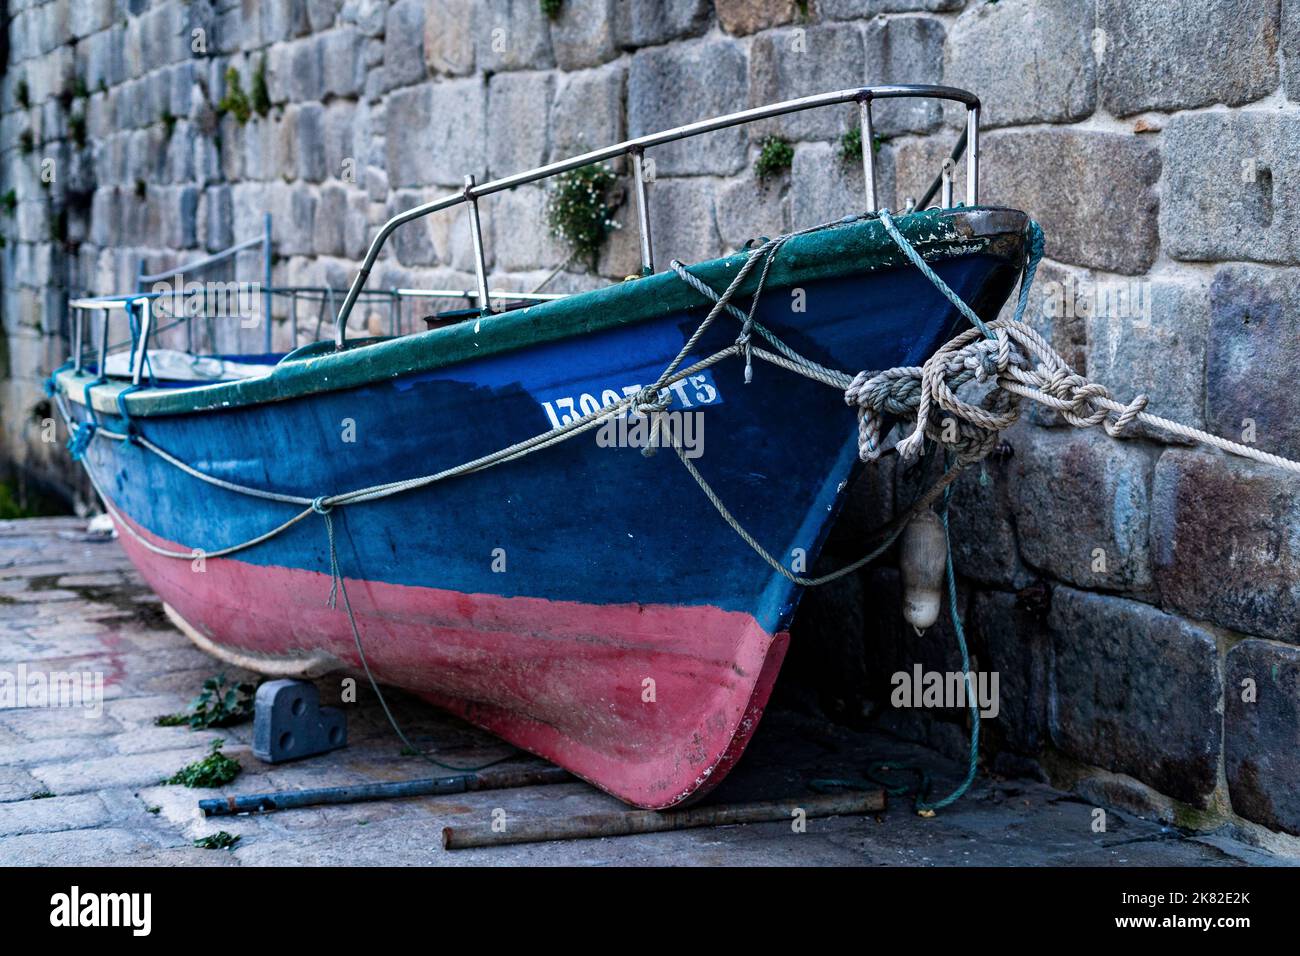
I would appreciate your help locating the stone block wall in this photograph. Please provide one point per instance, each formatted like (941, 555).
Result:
(1140, 600)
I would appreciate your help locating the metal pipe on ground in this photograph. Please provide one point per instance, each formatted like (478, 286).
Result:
(625, 823)
(456, 783)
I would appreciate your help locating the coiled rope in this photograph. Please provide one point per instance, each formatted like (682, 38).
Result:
(1014, 357)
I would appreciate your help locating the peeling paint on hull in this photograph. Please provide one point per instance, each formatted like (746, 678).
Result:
(560, 679)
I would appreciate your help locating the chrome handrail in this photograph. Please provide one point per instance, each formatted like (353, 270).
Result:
(967, 143)
(264, 240)
(146, 304)
(636, 147)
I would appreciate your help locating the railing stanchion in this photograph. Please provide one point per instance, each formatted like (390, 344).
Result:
(266, 283)
(972, 156)
(480, 263)
(340, 328)
(642, 212)
(142, 346)
(103, 343)
(78, 316)
(868, 152)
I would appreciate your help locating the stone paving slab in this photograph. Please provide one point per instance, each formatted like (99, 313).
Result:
(52, 814)
(70, 599)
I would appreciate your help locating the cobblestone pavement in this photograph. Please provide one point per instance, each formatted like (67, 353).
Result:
(79, 789)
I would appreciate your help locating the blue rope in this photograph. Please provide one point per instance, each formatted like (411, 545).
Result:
(100, 379)
(1032, 260)
(1026, 276)
(916, 260)
(80, 438)
(876, 774)
(1031, 267)
(51, 383)
(90, 402)
(130, 428)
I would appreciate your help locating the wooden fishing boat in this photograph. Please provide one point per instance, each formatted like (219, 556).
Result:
(586, 603)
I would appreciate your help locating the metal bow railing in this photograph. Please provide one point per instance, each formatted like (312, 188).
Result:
(635, 148)
(139, 307)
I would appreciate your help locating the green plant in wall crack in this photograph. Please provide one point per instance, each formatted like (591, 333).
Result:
(851, 145)
(551, 8)
(259, 97)
(580, 209)
(23, 93)
(774, 156)
(236, 101)
(9, 202)
(26, 141)
(77, 128)
(12, 506)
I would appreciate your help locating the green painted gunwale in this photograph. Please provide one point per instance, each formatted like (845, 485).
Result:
(835, 250)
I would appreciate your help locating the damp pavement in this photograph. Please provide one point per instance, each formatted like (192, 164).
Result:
(79, 789)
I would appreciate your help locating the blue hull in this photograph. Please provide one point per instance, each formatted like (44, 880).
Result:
(576, 527)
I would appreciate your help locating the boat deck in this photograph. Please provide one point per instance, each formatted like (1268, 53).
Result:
(70, 601)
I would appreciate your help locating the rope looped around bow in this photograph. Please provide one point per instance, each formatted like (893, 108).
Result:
(1016, 359)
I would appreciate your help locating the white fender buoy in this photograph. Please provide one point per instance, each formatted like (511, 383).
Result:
(922, 562)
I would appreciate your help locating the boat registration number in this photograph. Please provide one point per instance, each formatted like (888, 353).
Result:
(690, 392)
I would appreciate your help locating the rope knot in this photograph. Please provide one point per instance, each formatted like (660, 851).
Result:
(650, 400)
(652, 404)
(743, 340)
(320, 506)
(969, 430)
(1015, 359)
(877, 395)
(1125, 418)
(80, 440)
(1079, 398)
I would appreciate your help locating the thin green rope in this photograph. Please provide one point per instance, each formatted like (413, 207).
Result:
(915, 258)
(920, 788)
(972, 764)
(874, 778)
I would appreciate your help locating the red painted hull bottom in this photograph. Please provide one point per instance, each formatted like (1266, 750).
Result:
(653, 704)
